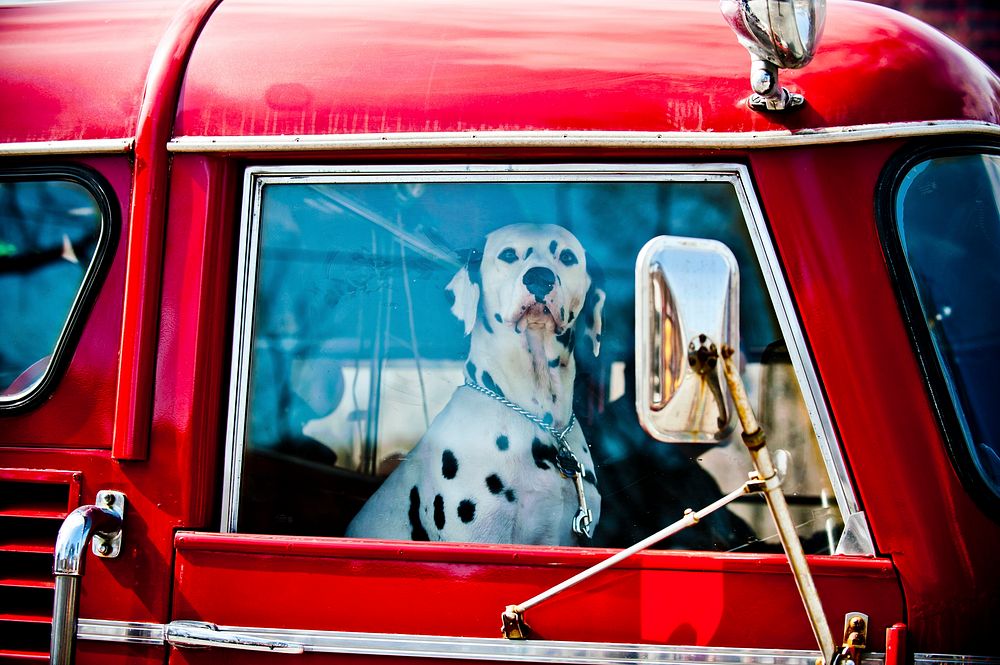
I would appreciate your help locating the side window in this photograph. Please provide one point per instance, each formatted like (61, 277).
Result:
(947, 214)
(418, 353)
(54, 226)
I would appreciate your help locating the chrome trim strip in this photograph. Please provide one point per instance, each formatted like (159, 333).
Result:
(126, 632)
(473, 648)
(78, 147)
(736, 175)
(948, 658)
(578, 139)
(239, 385)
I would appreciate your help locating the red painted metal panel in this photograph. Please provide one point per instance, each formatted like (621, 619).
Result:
(175, 487)
(145, 234)
(455, 589)
(348, 68)
(942, 543)
(75, 70)
(79, 414)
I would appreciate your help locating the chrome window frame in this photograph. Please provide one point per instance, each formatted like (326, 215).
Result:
(62, 350)
(737, 175)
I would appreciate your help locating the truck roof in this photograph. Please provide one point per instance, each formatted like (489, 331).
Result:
(77, 70)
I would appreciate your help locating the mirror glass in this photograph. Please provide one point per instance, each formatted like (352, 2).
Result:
(687, 308)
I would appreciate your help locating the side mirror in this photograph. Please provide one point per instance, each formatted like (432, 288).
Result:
(686, 310)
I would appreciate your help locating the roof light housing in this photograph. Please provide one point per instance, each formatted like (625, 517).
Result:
(778, 34)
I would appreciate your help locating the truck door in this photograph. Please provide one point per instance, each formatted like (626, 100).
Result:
(352, 337)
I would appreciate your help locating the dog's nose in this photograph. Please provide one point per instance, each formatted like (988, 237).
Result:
(539, 282)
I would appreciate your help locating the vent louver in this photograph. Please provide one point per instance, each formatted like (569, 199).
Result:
(32, 506)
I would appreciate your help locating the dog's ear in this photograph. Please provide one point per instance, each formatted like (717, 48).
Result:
(464, 289)
(593, 306)
(593, 317)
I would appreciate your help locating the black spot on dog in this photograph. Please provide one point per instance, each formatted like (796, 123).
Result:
(490, 384)
(542, 453)
(562, 313)
(486, 323)
(439, 512)
(503, 443)
(572, 315)
(529, 252)
(554, 362)
(498, 318)
(467, 510)
(494, 484)
(567, 338)
(552, 247)
(547, 419)
(508, 255)
(470, 369)
(449, 465)
(417, 530)
(589, 477)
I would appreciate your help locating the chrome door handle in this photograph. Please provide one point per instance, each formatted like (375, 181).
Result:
(201, 634)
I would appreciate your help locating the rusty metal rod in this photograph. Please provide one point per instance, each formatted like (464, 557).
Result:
(756, 442)
(690, 518)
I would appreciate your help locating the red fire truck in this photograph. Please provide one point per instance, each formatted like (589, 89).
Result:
(260, 391)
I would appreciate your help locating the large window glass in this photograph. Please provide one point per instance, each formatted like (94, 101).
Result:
(52, 226)
(948, 218)
(379, 310)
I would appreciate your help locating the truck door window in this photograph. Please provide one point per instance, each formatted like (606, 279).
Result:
(54, 225)
(352, 339)
(948, 219)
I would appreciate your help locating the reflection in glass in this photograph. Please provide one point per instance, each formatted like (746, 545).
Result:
(49, 231)
(948, 214)
(355, 349)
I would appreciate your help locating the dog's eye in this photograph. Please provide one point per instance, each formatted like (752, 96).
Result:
(567, 258)
(508, 255)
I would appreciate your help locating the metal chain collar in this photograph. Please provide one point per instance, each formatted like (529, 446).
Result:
(557, 434)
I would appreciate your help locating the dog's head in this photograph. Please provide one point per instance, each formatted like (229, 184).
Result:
(529, 276)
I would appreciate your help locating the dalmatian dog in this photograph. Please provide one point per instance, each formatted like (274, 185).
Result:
(484, 471)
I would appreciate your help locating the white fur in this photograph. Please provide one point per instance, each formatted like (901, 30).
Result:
(519, 344)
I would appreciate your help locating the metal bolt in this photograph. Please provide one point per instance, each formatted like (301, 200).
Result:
(857, 624)
(104, 549)
(109, 499)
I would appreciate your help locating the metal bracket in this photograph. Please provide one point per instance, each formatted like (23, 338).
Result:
(855, 639)
(104, 545)
(513, 626)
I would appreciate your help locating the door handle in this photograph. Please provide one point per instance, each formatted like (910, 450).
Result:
(201, 634)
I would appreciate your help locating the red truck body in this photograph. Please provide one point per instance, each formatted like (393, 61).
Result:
(167, 105)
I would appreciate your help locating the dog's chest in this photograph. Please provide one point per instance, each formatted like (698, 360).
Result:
(505, 466)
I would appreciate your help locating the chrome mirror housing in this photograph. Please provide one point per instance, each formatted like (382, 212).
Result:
(778, 34)
(687, 310)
